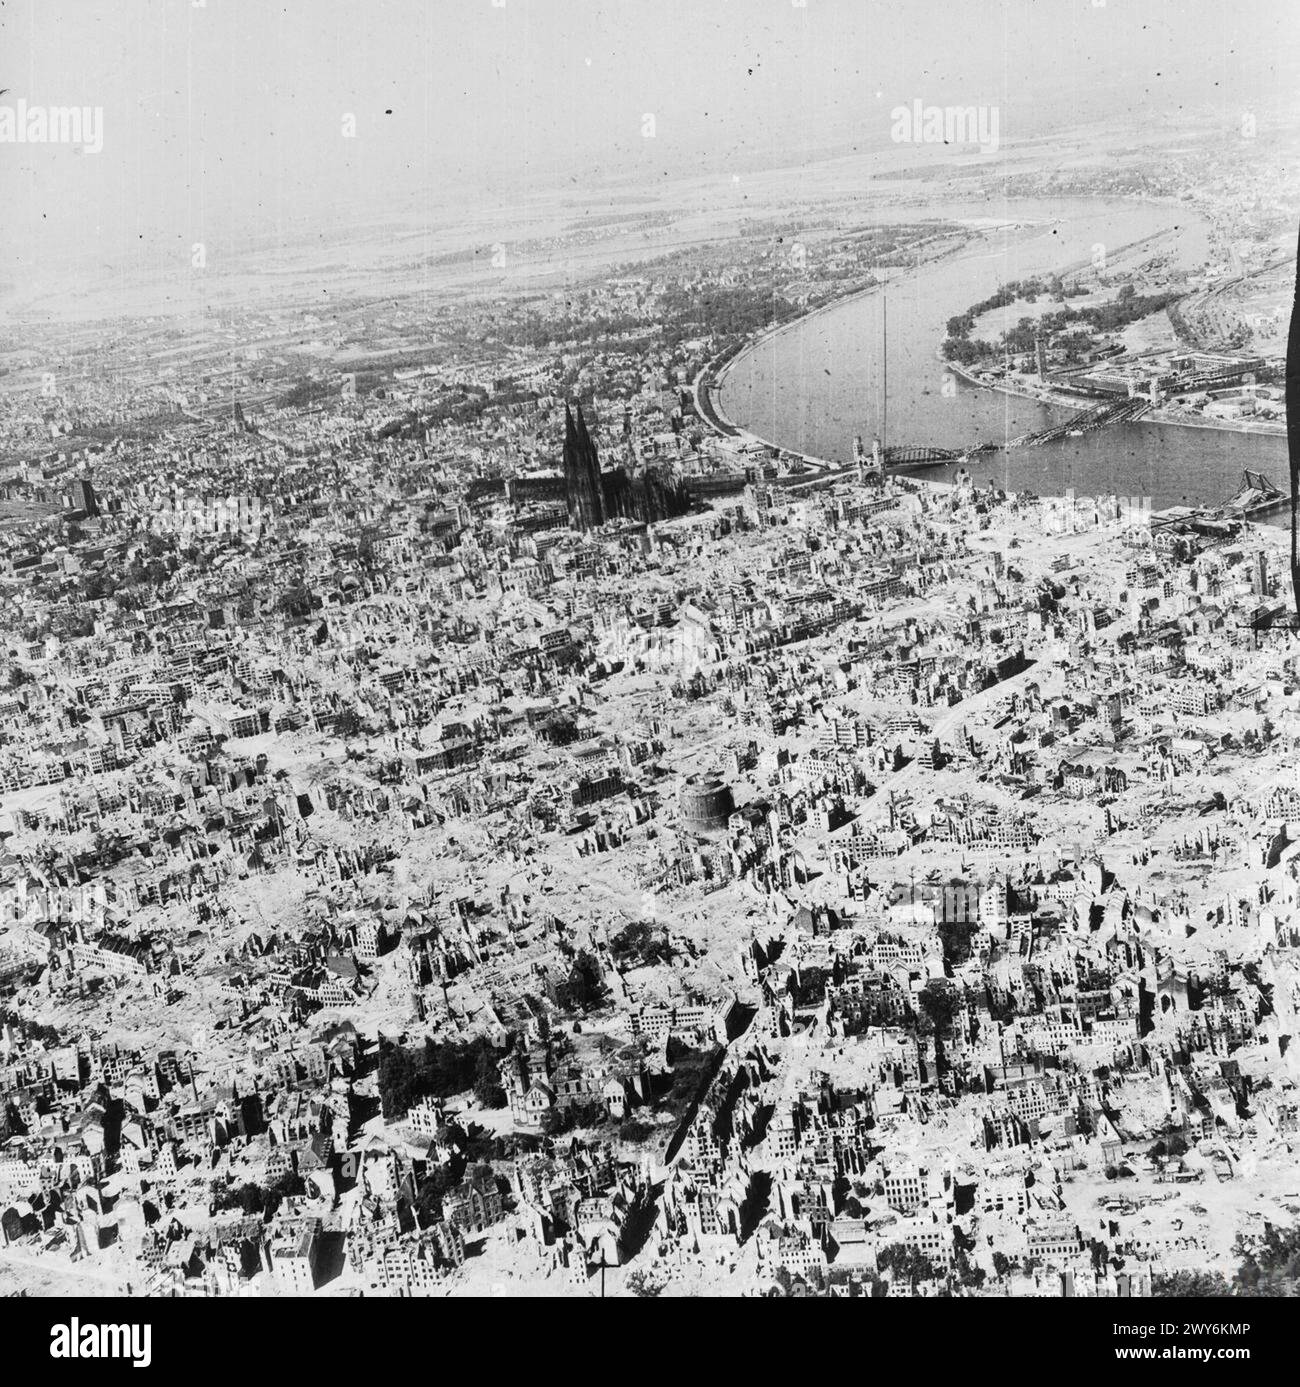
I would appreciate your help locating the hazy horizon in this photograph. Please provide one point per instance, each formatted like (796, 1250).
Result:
(224, 121)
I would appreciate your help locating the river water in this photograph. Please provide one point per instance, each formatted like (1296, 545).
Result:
(816, 383)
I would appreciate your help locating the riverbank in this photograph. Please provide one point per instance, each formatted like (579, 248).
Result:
(1264, 430)
(1157, 415)
(1043, 397)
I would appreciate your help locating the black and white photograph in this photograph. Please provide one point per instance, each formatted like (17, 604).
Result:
(649, 651)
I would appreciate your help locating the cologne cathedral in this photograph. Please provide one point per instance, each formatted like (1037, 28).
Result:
(593, 496)
(583, 485)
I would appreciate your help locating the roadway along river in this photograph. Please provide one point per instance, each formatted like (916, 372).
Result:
(815, 384)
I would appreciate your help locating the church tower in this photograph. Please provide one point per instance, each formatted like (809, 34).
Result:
(582, 481)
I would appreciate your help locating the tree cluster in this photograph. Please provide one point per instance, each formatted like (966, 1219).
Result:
(439, 1070)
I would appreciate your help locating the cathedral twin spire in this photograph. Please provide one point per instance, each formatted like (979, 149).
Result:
(583, 489)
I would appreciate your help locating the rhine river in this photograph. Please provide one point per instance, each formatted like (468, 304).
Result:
(814, 384)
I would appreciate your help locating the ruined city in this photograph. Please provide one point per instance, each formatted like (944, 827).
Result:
(682, 747)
